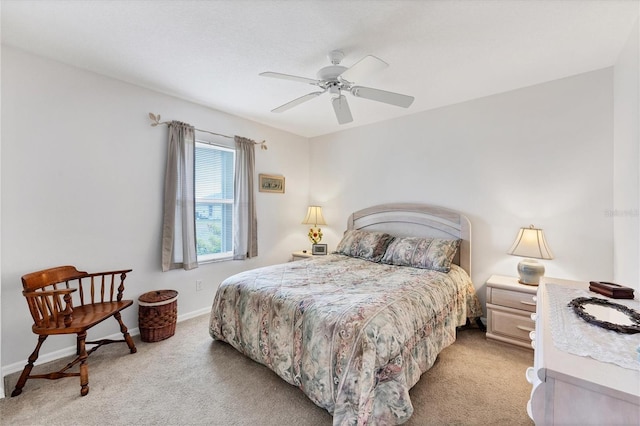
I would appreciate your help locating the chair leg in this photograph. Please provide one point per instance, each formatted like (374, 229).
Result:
(27, 368)
(84, 368)
(125, 333)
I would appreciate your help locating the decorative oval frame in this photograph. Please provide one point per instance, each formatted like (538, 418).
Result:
(578, 305)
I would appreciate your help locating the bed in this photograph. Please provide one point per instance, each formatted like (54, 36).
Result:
(355, 329)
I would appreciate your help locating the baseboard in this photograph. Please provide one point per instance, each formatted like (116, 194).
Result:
(71, 350)
(194, 314)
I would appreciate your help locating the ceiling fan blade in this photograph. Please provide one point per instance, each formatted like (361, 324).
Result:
(341, 108)
(365, 66)
(289, 77)
(392, 98)
(297, 101)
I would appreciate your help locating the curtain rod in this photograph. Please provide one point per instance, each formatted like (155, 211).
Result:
(156, 121)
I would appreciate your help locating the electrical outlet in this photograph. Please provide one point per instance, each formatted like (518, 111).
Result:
(198, 285)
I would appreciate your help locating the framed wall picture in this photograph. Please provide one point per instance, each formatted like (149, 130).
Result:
(271, 183)
(318, 249)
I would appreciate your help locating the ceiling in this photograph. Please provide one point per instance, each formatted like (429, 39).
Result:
(211, 52)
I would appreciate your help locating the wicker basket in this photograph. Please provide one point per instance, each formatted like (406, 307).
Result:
(157, 315)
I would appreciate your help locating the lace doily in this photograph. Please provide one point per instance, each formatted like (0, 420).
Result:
(574, 335)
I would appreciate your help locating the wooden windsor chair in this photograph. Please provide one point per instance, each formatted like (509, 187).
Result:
(48, 293)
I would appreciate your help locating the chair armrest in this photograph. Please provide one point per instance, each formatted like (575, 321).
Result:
(49, 292)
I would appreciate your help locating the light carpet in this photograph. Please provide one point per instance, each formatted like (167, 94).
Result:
(189, 379)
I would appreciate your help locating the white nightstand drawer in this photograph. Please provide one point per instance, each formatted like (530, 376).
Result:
(509, 324)
(513, 299)
(510, 306)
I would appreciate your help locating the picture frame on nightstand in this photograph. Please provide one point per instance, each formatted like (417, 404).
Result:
(318, 249)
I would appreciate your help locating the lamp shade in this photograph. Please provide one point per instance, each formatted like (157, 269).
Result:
(314, 216)
(531, 243)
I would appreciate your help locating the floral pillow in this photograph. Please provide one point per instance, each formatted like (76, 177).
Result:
(425, 253)
(363, 244)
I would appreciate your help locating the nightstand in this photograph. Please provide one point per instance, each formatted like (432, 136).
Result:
(509, 308)
(300, 255)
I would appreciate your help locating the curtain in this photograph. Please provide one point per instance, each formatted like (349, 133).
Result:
(178, 227)
(245, 234)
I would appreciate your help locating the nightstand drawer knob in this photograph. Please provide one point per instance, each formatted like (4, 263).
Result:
(532, 335)
(535, 298)
(533, 317)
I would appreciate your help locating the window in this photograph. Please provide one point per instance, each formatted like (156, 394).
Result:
(214, 174)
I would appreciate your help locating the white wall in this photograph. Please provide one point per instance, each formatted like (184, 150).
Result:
(82, 181)
(540, 155)
(1, 381)
(626, 162)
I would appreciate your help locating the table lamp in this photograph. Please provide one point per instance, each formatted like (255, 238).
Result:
(530, 243)
(314, 217)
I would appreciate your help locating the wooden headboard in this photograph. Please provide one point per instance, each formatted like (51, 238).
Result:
(418, 220)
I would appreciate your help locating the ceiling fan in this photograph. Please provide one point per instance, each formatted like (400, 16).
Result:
(336, 79)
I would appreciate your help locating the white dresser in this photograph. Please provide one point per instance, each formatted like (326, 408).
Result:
(576, 390)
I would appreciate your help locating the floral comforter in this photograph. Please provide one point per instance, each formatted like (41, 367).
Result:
(353, 335)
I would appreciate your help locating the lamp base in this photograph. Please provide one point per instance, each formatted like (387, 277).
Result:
(315, 235)
(530, 272)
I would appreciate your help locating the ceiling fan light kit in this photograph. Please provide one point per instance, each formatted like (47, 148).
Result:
(336, 78)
